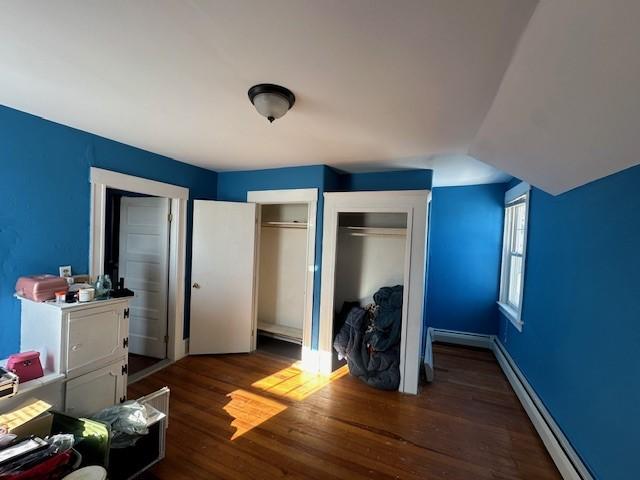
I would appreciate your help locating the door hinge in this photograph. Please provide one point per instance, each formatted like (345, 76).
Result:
(166, 339)
(125, 342)
(123, 399)
(126, 313)
(170, 217)
(125, 369)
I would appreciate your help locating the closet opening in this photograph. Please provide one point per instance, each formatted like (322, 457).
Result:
(285, 250)
(282, 270)
(373, 251)
(369, 295)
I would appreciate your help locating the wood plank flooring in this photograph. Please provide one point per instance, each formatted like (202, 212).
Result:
(255, 416)
(137, 363)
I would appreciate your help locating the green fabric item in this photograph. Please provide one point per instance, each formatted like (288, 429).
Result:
(93, 438)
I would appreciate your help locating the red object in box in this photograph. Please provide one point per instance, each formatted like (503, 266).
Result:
(41, 287)
(25, 365)
(51, 468)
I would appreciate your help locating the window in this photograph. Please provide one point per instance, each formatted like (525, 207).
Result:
(514, 249)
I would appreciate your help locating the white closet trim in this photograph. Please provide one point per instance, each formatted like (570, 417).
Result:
(414, 204)
(310, 197)
(293, 195)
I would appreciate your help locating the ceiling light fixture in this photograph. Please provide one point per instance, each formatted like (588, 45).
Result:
(271, 101)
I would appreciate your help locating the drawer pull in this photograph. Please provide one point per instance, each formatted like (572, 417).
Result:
(76, 347)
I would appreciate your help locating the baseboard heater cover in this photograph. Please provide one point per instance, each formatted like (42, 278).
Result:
(563, 454)
(462, 338)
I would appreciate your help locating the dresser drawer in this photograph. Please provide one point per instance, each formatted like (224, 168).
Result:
(95, 337)
(93, 391)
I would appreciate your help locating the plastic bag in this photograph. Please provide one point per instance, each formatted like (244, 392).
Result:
(128, 423)
(6, 439)
(62, 441)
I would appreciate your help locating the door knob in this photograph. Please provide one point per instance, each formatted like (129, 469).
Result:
(196, 285)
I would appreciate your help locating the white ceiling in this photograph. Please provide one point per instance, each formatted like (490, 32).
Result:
(379, 84)
(448, 170)
(568, 109)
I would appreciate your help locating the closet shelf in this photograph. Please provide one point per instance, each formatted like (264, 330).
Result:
(285, 224)
(289, 334)
(375, 231)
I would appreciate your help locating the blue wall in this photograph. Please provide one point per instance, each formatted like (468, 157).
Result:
(44, 200)
(464, 258)
(394, 180)
(580, 345)
(233, 186)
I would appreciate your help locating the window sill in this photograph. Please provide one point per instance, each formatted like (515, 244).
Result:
(511, 314)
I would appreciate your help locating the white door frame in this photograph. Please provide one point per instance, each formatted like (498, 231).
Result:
(414, 204)
(101, 180)
(310, 197)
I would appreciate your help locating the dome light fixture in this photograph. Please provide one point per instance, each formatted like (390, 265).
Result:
(271, 101)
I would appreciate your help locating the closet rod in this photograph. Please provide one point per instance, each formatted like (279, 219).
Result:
(360, 234)
(375, 231)
(284, 224)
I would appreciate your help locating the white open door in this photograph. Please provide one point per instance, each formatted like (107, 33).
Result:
(222, 277)
(144, 263)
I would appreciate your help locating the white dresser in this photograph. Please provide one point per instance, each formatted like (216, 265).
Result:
(86, 342)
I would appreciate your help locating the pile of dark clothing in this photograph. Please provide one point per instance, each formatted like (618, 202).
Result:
(370, 339)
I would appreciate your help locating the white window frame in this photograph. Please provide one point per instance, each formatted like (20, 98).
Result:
(514, 315)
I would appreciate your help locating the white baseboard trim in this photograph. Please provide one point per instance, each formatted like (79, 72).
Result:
(428, 356)
(156, 367)
(462, 338)
(182, 350)
(563, 454)
(311, 361)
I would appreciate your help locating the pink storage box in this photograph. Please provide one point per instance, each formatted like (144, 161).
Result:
(41, 287)
(25, 365)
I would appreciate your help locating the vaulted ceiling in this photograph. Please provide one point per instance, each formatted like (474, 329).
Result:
(568, 109)
(408, 83)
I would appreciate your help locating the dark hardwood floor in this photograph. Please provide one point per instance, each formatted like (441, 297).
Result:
(256, 416)
(280, 348)
(138, 363)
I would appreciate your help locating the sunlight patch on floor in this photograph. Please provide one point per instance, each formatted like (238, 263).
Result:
(250, 410)
(296, 384)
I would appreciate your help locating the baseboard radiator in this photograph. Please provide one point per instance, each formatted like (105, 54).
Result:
(563, 454)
